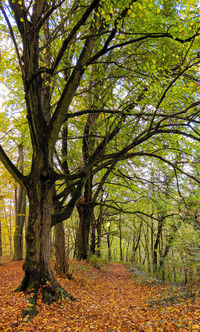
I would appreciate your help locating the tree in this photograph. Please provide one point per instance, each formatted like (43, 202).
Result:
(39, 183)
(44, 132)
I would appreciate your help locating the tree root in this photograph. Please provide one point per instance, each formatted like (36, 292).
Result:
(49, 295)
(31, 311)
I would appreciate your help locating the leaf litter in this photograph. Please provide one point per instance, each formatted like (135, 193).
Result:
(109, 300)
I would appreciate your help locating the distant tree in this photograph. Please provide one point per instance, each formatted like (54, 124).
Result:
(20, 214)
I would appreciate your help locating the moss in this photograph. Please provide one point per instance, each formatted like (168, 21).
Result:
(63, 294)
(31, 310)
(96, 261)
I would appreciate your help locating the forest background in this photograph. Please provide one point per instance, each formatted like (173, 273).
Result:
(100, 137)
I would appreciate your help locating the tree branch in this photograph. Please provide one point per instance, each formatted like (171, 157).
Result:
(73, 32)
(67, 211)
(12, 169)
(13, 39)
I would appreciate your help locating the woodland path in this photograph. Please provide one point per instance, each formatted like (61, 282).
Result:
(109, 300)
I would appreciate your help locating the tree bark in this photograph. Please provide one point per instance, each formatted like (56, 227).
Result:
(36, 266)
(19, 224)
(109, 244)
(20, 212)
(1, 251)
(136, 242)
(61, 264)
(156, 244)
(166, 251)
(127, 248)
(83, 230)
(37, 263)
(93, 234)
(99, 230)
(120, 241)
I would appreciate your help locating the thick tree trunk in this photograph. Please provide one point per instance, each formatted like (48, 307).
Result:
(37, 263)
(83, 230)
(37, 268)
(61, 264)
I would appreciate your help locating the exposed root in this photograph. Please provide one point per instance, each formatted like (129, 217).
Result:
(31, 311)
(50, 292)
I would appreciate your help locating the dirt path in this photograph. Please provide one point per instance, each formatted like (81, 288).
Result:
(109, 300)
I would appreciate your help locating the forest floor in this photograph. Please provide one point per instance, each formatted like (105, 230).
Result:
(111, 299)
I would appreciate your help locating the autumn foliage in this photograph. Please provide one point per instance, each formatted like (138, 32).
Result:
(111, 299)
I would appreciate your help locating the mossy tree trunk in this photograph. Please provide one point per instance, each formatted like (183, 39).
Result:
(37, 263)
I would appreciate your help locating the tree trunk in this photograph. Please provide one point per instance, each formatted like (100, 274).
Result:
(93, 234)
(127, 248)
(83, 230)
(156, 244)
(37, 263)
(36, 266)
(20, 211)
(136, 242)
(98, 252)
(167, 248)
(120, 242)
(152, 242)
(146, 236)
(1, 251)
(19, 224)
(61, 264)
(109, 243)
(99, 230)
(139, 254)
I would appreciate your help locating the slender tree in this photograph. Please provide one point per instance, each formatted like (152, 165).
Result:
(20, 214)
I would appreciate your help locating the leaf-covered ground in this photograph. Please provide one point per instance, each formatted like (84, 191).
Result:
(108, 300)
